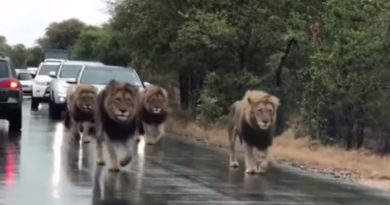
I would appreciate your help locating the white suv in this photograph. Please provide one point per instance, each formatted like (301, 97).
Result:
(40, 87)
(69, 70)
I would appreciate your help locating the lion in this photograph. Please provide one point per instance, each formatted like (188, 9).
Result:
(117, 122)
(153, 113)
(253, 120)
(79, 111)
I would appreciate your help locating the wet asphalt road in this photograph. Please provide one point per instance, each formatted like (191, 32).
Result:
(42, 166)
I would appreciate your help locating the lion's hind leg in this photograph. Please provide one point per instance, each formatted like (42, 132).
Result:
(75, 130)
(149, 133)
(263, 162)
(86, 128)
(159, 133)
(250, 163)
(99, 150)
(131, 147)
(232, 139)
(113, 155)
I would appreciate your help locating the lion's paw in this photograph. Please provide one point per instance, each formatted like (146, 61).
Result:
(114, 169)
(260, 170)
(150, 142)
(100, 163)
(250, 171)
(125, 161)
(233, 164)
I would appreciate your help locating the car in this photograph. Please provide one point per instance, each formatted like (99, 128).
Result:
(58, 85)
(19, 70)
(11, 95)
(100, 76)
(32, 70)
(40, 87)
(26, 79)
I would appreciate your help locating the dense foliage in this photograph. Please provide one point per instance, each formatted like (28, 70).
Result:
(326, 60)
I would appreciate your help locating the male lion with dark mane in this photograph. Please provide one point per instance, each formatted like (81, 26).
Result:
(80, 109)
(153, 113)
(253, 119)
(117, 122)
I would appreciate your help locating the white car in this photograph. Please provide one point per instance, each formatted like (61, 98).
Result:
(40, 87)
(32, 70)
(100, 76)
(69, 70)
(26, 79)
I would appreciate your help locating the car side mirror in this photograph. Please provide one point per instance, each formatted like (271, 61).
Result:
(71, 81)
(52, 74)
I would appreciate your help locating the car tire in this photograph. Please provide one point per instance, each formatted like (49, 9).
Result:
(54, 110)
(34, 103)
(15, 119)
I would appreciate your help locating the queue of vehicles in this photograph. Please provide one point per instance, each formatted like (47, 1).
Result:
(49, 84)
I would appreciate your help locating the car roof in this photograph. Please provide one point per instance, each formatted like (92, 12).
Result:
(73, 62)
(4, 57)
(51, 62)
(110, 67)
(54, 60)
(24, 71)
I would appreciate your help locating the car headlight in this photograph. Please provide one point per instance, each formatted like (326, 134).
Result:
(63, 89)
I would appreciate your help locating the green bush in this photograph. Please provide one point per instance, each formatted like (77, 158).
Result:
(222, 90)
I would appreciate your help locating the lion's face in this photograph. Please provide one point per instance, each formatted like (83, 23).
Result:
(263, 114)
(121, 102)
(86, 97)
(156, 102)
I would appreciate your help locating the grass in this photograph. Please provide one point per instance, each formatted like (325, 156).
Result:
(365, 167)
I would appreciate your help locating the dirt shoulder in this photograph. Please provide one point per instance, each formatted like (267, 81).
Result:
(360, 166)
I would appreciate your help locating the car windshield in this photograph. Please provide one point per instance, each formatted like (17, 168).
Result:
(102, 76)
(70, 71)
(25, 76)
(4, 72)
(47, 68)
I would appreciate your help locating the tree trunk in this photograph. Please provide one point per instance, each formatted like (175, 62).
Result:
(183, 87)
(278, 72)
(360, 125)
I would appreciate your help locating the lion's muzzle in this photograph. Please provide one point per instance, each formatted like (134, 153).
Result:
(87, 107)
(264, 124)
(156, 110)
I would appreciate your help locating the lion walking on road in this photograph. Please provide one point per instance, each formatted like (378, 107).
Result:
(117, 123)
(252, 119)
(80, 109)
(153, 113)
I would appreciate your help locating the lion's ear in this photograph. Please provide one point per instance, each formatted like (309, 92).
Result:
(94, 89)
(274, 100)
(250, 101)
(165, 93)
(112, 82)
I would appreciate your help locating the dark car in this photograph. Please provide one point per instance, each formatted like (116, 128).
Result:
(11, 95)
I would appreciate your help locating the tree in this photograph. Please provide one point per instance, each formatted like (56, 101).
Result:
(348, 71)
(62, 35)
(100, 44)
(34, 56)
(18, 55)
(4, 47)
(326, 60)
